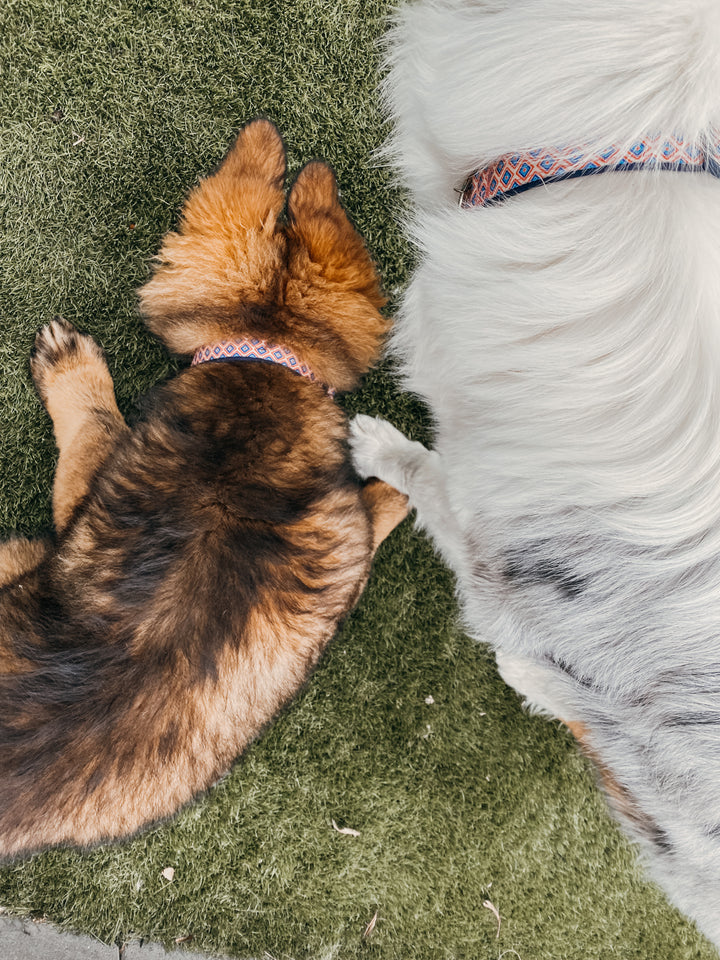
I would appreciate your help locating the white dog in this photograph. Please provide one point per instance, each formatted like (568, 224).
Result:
(567, 341)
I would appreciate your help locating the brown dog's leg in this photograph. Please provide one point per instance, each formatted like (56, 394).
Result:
(74, 383)
(387, 506)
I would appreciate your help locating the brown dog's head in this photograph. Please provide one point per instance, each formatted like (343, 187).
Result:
(235, 269)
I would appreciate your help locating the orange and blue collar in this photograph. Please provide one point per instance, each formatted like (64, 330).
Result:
(517, 172)
(253, 348)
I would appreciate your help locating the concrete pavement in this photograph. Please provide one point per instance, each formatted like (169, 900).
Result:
(30, 940)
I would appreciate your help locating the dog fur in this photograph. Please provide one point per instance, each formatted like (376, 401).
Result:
(567, 343)
(202, 561)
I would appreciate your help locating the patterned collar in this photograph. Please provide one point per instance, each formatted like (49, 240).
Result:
(517, 172)
(252, 348)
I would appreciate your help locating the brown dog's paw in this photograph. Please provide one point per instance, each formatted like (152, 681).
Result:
(60, 349)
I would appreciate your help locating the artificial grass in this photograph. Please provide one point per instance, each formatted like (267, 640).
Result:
(109, 113)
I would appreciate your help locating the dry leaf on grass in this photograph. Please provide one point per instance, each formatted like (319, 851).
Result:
(347, 831)
(371, 926)
(493, 909)
(169, 874)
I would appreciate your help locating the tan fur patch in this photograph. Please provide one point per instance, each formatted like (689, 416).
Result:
(388, 507)
(19, 557)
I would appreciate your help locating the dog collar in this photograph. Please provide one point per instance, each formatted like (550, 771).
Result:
(252, 348)
(517, 172)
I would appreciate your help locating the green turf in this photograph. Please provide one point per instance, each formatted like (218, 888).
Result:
(109, 112)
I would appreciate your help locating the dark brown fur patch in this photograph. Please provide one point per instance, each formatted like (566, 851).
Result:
(203, 560)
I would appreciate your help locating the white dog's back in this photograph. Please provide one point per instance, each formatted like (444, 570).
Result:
(472, 80)
(567, 342)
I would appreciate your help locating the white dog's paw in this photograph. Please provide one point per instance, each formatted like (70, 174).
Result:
(370, 441)
(379, 450)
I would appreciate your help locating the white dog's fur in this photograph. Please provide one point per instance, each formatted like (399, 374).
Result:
(567, 342)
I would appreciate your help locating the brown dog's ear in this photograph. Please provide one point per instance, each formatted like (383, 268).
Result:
(247, 189)
(227, 255)
(323, 234)
(331, 276)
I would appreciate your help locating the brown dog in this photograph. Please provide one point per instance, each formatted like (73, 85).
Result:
(202, 561)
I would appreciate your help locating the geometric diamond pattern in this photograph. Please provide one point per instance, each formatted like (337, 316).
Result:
(517, 172)
(252, 348)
